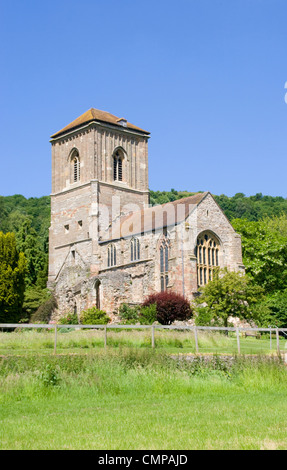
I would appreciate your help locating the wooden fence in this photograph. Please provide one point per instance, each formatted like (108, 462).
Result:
(194, 329)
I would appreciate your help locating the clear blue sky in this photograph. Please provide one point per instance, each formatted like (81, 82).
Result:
(205, 77)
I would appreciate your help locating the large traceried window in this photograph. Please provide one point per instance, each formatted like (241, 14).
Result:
(118, 165)
(112, 256)
(135, 249)
(163, 254)
(207, 253)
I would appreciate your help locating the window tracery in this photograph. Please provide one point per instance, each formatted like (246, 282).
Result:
(207, 253)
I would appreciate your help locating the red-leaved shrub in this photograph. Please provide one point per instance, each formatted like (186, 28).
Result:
(169, 307)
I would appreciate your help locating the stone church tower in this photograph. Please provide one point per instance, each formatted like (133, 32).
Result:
(106, 245)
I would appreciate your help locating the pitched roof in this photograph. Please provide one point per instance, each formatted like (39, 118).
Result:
(97, 115)
(153, 218)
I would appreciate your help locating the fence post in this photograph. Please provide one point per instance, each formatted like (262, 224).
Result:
(270, 339)
(277, 340)
(196, 339)
(105, 331)
(238, 340)
(55, 340)
(152, 337)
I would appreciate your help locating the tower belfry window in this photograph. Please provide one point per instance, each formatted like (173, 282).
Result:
(75, 167)
(118, 166)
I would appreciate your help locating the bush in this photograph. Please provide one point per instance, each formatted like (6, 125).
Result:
(169, 307)
(137, 314)
(203, 317)
(148, 314)
(69, 319)
(50, 376)
(128, 314)
(94, 316)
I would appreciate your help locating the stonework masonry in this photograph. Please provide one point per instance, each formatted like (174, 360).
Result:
(106, 245)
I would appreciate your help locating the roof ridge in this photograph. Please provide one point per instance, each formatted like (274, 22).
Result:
(97, 115)
(132, 223)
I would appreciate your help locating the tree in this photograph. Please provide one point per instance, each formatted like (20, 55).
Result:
(29, 243)
(228, 294)
(12, 279)
(264, 249)
(272, 311)
(34, 297)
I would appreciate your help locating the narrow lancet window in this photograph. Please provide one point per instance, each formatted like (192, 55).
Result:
(163, 255)
(112, 256)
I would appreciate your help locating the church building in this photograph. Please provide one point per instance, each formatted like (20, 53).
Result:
(107, 245)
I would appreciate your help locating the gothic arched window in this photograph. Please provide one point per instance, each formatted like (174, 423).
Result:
(118, 165)
(163, 260)
(135, 249)
(112, 255)
(207, 253)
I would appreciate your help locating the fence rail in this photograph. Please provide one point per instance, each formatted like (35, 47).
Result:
(152, 328)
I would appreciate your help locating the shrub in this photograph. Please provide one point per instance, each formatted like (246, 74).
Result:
(129, 314)
(148, 315)
(94, 316)
(50, 376)
(169, 307)
(69, 319)
(203, 317)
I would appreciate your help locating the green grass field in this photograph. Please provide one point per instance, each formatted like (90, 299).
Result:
(133, 398)
(174, 341)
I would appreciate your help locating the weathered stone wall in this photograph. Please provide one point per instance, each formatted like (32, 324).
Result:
(132, 282)
(210, 217)
(70, 226)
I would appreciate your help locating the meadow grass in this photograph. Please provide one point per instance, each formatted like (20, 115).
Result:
(71, 340)
(132, 398)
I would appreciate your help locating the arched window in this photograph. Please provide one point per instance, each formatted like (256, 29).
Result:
(112, 256)
(135, 249)
(118, 165)
(163, 260)
(207, 253)
(75, 166)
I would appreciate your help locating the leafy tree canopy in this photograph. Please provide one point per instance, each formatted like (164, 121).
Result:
(264, 249)
(228, 294)
(12, 279)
